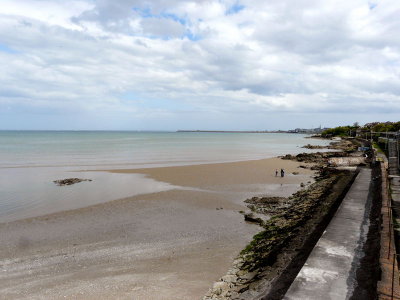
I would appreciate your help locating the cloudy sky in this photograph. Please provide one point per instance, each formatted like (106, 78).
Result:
(168, 64)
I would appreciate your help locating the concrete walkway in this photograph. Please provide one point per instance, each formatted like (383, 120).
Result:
(330, 270)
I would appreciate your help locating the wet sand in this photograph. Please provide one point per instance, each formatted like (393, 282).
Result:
(166, 245)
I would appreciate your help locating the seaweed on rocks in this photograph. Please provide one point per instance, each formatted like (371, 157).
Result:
(281, 227)
(267, 205)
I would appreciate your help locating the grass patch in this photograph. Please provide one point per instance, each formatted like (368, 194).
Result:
(378, 148)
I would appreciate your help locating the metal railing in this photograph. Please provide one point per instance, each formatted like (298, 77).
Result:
(387, 136)
(392, 297)
(391, 236)
(389, 254)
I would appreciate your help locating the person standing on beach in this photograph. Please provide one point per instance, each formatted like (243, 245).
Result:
(282, 173)
(276, 172)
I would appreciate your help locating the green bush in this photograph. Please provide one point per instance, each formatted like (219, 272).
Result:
(375, 127)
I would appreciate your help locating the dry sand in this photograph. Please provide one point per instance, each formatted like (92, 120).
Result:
(167, 245)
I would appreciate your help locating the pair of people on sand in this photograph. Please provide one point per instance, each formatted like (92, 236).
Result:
(282, 173)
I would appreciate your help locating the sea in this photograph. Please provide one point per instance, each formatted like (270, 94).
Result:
(31, 160)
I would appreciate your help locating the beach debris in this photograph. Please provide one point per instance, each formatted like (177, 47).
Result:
(69, 181)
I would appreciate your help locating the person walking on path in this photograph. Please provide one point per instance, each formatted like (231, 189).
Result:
(282, 173)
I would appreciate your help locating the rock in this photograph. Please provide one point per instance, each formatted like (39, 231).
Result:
(69, 181)
(249, 217)
(288, 156)
(229, 278)
(241, 273)
(248, 275)
(309, 146)
(220, 288)
(265, 206)
(295, 173)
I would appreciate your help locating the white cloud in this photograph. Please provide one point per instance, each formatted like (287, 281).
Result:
(264, 56)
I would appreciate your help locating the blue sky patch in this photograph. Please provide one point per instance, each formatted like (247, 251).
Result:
(234, 9)
(5, 48)
(191, 36)
(173, 17)
(372, 5)
(146, 13)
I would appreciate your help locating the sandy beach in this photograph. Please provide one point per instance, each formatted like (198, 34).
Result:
(166, 245)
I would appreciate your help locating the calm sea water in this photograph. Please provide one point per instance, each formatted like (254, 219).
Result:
(31, 160)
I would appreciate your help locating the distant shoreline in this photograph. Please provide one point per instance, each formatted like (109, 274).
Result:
(238, 131)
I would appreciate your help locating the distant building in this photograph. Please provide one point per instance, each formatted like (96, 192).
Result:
(307, 131)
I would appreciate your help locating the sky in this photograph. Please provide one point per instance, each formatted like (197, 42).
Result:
(213, 65)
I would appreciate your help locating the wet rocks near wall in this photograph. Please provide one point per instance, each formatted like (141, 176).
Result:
(267, 205)
(250, 217)
(298, 208)
(233, 284)
(69, 181)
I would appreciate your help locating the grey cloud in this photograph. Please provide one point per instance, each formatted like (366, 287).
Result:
(162, 27)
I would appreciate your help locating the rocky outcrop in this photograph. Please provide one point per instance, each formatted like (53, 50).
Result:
(267, 205)
(69, 181)
(309, 146)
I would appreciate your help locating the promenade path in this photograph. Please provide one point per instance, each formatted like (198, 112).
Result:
(330, 270)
